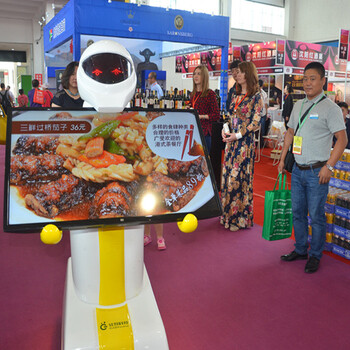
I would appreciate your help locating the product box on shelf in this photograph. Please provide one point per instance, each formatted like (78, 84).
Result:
(341, 231)
(344, 253)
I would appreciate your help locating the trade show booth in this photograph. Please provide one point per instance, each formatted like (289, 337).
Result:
(141, 29)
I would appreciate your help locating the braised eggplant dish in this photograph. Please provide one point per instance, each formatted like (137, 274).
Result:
(104, 173)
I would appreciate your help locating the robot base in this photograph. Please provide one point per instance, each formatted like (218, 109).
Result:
(79, 329)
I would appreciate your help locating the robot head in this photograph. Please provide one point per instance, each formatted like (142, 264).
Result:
(106, 76)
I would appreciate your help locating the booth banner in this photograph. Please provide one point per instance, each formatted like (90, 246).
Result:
(217, 55)
(343, 48)
(79, 181)
(281, 45)
(194, 60)
(230, 54)
(299, 54)
(208, 60)
(185, 64)
(237, 53)
(261, 54)
(178, 68)
(334, 63)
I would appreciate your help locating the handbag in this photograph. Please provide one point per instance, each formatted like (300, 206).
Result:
(38, 97)
(278, 216)
(289, 159)
(3, 123)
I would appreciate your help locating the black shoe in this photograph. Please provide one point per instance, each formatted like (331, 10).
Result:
(312, 265)
(293, 256)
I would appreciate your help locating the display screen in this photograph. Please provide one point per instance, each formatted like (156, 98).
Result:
(83, 169)
(107, 68)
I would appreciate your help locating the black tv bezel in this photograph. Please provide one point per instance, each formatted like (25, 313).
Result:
(209, 210)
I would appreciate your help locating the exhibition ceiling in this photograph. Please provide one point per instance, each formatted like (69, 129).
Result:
(27, 9)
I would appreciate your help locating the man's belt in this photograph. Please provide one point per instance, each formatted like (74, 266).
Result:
(311, 166)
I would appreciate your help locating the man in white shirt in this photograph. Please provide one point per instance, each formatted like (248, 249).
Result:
(152, 80)
(263, 113)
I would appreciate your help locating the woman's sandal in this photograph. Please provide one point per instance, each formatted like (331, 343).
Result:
(146, 240)
(161, 244)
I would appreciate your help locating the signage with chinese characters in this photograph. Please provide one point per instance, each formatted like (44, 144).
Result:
(39, 77)
(261, 54)
(343, 49)
(79, 168)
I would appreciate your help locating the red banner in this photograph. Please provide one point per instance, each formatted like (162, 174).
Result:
(343, 49)
(262, 54)
(281, 45)
(39, 77)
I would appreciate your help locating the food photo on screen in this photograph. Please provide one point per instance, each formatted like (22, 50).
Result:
(69, 166)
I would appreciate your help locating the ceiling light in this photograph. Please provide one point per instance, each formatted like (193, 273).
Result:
(53, 6)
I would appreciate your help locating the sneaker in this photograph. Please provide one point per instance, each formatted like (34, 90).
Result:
(312, 265)
(161, 244)
(146, 240)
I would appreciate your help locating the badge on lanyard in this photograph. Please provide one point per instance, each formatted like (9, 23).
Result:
(297, 144)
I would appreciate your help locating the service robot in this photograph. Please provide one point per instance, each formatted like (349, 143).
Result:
(109, 302)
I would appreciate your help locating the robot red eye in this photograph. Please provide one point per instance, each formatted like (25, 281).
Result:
(97, 72)
(107, 68)
(116, 71)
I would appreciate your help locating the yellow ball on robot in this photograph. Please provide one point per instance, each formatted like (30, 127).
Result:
(50, 234)
(188, 224)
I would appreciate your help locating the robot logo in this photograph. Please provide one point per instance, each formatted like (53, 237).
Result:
(103, 326)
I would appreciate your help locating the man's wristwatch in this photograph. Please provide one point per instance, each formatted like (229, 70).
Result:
(329, 167)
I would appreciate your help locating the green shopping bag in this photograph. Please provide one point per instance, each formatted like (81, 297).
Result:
(278, 222)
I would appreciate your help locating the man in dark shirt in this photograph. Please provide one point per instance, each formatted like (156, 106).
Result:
(232, 92)
(345, 110)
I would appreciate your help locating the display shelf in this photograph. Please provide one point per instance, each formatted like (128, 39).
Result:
(341, 165)
(329, 208)
(341, 231)
(343, 212)
(344, 253)
(344, 185)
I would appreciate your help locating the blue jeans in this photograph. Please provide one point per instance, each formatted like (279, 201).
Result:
(263, 123)
(208, 141)
(309, 196)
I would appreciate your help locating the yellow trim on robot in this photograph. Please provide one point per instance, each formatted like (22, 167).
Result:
(113, 325)
(114, 329)
(112, 271)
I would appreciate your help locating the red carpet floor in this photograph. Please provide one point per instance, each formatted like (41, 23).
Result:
(215, 289)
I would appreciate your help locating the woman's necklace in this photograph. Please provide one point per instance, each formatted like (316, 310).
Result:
(71, 93)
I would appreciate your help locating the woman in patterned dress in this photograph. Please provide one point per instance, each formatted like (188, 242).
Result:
(238, 170)
(204, 101)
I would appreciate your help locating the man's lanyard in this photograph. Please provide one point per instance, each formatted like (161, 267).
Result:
(304, 119)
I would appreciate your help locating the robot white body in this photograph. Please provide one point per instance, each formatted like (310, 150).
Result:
(109, 303)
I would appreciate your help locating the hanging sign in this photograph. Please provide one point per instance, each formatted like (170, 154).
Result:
(343, 48)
